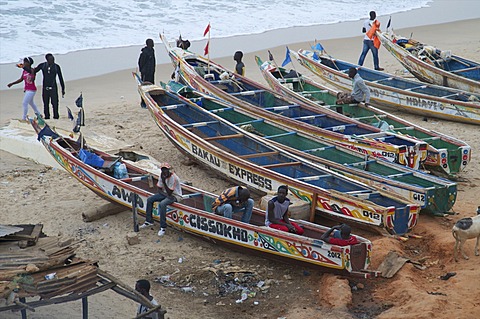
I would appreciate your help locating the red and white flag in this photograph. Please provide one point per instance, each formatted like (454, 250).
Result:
(206, 48)
(207, 29)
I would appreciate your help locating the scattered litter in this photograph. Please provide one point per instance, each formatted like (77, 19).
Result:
(256, 303)
(180, 238)
(436, 293)
(51, 276)
(243, 297)
(187, 289)
(448, 275)
(180, 260)
(217, 261)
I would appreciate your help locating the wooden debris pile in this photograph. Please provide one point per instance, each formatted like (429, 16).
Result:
(33, 265)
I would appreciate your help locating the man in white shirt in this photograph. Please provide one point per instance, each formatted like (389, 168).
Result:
(368, 43)
(172, 192)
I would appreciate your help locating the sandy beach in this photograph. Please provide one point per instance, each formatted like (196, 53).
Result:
(34, 193)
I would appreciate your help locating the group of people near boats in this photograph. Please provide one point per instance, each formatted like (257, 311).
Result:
(235, 200)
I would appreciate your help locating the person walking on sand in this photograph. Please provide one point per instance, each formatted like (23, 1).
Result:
(50, 71)
(276, 215)
(239, 67)
(234, 200)
(172, 192)
(28, 76)
(143, 287)
(368, 41)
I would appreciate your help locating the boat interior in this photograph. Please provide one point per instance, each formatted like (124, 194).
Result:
(400, 83)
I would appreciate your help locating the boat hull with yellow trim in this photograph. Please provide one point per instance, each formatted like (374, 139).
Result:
(445, 154)
(209, 77)
(244, 158)
(194, 213)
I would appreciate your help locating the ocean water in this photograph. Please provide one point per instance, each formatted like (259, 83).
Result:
(35, 27)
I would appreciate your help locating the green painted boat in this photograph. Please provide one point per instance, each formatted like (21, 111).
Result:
(433, 194)
(212, 78)
(445, 154)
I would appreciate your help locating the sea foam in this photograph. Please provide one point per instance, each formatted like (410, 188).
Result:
(36, 27)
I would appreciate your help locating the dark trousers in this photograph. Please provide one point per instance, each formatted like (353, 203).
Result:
(162, 207)
(148, 77)
(368, 46)
(50, 94)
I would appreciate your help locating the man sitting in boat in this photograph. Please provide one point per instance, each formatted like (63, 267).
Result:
(172, 188)
(341, 236)
(276, 215)
(360, 92)
(234, 200)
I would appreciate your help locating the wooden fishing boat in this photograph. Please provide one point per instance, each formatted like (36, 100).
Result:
(242, 157)
(194, 213)
(208, 77)
(444, 153)
(396, 92)
(434, 195)
(432, 65)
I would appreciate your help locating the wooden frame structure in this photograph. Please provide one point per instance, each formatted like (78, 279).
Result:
(33, 265)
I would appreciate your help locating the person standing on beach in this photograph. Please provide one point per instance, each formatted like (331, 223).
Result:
(143, 287)
(146, 62)
(368, 41)
(50, 71)
(172, 192)
(28, 75)
(240, 67)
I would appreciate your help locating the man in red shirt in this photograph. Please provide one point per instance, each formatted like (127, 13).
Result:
(342, 237)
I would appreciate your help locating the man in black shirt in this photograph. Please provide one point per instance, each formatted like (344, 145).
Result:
(50, 70)
(146, 62)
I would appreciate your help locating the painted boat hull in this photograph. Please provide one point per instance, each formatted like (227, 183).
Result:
(435, 195)
(405, 96)
(264, 167)
(191, 216)
(430, 73)
(444, 153)
(405, 151)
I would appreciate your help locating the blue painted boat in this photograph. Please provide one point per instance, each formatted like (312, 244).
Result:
(242, 157)
(209, 77)
(396, 92)
(194, 214)
(445, 154)
(433, 65)
(434, 195)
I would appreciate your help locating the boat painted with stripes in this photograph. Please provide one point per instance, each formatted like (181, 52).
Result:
(209, 77)
(434, 195)
(396, 92)
(432, 65)
(445, 154)
(243, 158)
(194, 215)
